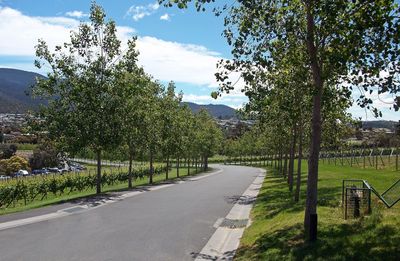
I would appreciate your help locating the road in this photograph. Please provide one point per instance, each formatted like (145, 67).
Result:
(172, 223)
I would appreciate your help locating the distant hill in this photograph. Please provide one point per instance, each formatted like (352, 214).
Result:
(380, 124)
(216, 110)
(14, 86)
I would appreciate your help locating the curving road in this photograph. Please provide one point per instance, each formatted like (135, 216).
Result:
(171, 223)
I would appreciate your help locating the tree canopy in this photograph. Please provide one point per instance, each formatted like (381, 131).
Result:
(341, 45)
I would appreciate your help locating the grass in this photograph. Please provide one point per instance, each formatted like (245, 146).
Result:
(56, 199)
(25, 146)
(276, 231)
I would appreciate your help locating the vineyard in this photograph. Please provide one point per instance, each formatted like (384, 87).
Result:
(377, 158)
(23, 191)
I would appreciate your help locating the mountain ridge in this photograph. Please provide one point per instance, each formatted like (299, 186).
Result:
(14, 90)
(15, 86)
(220, 111)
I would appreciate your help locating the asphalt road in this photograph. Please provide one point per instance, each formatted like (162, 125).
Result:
(173, 223)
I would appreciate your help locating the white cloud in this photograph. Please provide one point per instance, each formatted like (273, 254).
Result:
(232, 100)
(165, 60)
(379, 101)
(165, 17)
(383, 102)
(66, 22)
(76, 14)
(176, 61)
(22, 32)
(140, 11)
(199, 99)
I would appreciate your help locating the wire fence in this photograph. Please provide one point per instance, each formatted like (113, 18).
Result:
(378, 158)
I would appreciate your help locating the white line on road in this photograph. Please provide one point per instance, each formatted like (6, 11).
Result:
(31, 220)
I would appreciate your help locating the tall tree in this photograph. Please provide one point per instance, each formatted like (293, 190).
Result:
(346, 42)
(84, 100)
(208, 136)
(136, 84)
(170, 133)
(151, 123)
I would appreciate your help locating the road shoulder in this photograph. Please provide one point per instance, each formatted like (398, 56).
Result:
(224, 242)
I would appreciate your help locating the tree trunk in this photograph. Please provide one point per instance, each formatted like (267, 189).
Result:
(177, 167)
(151, 168)
(130, 170)
(196, 164)
(298, 182)
(280, 162)
(166, 173)
(188, 165)
(205, 163)
(310, 217)
(285, 165)
(291, 159)
(98, 177)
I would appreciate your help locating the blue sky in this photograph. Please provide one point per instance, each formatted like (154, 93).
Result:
(178, 45)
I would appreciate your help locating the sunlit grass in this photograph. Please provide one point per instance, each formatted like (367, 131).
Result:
(276, 232)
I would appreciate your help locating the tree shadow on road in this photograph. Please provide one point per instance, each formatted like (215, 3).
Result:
(241, 200)
(225, 256)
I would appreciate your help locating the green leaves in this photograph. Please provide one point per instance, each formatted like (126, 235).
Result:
(32, 188)
(84, 108)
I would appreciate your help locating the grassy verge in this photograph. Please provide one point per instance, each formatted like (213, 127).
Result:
(26, 146)
(276, 232)
(55, 199)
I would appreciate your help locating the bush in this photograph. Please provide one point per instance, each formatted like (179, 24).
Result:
(45, 155)
(12, 165)
(7, 151)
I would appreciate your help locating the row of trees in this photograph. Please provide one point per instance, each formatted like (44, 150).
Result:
(309, 56)
(100, 99)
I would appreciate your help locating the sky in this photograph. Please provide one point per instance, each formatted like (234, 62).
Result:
(175, 45)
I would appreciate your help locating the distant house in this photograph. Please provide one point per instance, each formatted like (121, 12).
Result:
(8, 137)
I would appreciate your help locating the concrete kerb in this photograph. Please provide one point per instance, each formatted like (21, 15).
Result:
(224, 242)
(99, 203)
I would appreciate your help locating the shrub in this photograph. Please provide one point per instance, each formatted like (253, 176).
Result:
(12, 165)
(7, 151)
(45, 155)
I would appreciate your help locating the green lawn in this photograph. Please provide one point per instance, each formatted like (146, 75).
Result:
(55, 199)
(26, 146)
(276, 232)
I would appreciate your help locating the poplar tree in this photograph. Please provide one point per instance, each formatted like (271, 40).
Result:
(84, 102)
(352, 44)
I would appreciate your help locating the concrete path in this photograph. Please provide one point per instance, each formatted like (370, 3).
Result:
(167, 222)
